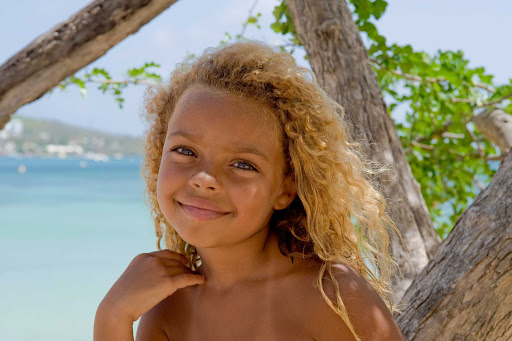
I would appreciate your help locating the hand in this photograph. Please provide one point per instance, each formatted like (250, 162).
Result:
(149, 279)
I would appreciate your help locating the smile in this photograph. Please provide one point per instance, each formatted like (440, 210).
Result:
(200, 213)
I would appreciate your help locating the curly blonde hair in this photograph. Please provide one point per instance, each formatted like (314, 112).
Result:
(337, 216)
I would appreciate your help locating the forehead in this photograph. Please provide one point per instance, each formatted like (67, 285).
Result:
(201, 110)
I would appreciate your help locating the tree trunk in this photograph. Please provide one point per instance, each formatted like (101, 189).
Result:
(464, 292)
(70, 46)
(342, 67)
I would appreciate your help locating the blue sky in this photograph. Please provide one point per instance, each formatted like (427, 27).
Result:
(476, 27)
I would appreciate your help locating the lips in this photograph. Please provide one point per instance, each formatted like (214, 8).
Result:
(202, 204)
(201, 214)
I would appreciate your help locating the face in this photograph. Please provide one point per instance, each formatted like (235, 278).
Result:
(222, 171)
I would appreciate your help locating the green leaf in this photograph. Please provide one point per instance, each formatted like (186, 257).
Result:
(379, 7)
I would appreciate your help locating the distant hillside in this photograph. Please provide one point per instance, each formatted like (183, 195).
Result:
(37, 134)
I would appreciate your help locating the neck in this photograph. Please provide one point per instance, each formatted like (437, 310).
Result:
(256, 258)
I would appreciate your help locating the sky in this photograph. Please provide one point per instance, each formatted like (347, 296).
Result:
(190, 26)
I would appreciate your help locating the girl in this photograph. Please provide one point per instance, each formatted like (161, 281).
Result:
(273, 230)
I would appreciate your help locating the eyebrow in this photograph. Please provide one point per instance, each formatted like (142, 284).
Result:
(237, 149)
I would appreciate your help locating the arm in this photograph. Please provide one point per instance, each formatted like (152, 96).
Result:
(148, 279)
(109, 326)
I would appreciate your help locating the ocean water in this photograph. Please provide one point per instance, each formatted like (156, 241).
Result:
(68, 230)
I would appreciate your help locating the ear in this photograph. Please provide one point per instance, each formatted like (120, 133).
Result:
(288, 193)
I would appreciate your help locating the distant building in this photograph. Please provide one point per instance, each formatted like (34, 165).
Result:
(62, 151)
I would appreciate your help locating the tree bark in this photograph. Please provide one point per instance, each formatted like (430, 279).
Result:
(70, 46)
(496, 125)
(342, 67)
(464, 292)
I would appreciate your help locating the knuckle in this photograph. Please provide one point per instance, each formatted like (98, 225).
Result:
(139, 257)
(153, 262)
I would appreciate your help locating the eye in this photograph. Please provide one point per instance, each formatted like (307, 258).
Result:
(180, 147)
(248, 165)
(251, 167)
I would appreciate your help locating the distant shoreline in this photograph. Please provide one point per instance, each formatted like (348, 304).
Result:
(27, 136)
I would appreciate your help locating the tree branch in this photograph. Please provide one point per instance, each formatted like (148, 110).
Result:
(428, 79)
(125, 82)
(479, 85)
(473, 155)
(70, 46)
(248, 17)
(464, 291)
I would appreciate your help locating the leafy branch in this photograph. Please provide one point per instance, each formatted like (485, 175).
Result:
(438, 95)
(141, 75)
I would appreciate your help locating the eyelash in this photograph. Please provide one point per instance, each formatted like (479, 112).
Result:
(240, 161)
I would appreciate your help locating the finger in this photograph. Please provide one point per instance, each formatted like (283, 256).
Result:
(168, 254)
(175, 268)
(185, 280)
(173, 263)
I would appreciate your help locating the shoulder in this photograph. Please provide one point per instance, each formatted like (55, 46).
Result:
(367, 312)
(151, 325)
(164, 320)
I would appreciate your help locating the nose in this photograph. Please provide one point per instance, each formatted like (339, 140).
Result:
(205, 181)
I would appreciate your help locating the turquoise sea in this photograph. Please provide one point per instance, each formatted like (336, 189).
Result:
(68, 230)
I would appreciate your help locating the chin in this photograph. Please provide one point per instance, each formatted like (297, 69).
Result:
(197, 236)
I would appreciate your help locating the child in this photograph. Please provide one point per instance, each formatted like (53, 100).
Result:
(270, 223)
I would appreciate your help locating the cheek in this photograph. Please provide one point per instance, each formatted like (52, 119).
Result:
(159, 187)
(252, 200)
(165, 185)
(161, 193)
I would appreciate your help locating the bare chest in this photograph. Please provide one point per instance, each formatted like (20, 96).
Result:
(258, 314)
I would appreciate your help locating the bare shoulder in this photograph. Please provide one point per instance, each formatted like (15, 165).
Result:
(151, 325)
(367, 312)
